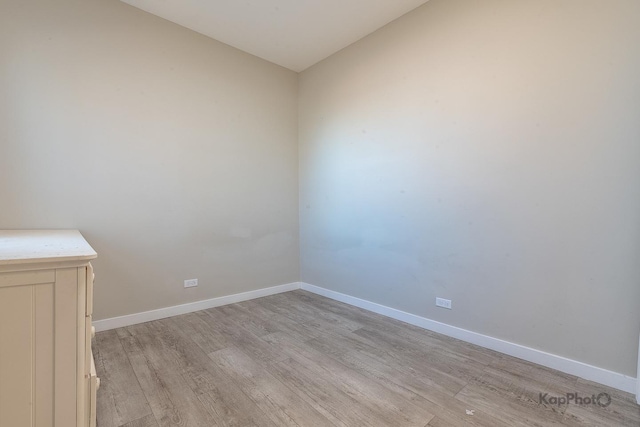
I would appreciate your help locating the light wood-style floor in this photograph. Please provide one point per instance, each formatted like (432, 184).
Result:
(297, 359)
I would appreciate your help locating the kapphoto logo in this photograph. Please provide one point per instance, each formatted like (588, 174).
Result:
(602, 399)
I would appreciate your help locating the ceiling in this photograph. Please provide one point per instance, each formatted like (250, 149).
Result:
(292, 33)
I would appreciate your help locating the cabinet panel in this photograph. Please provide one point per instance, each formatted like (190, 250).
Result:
(44, 325)
(16, 356)
(66, 335)
(26, 356)
(82, 367)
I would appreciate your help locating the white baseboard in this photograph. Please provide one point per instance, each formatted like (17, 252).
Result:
(162, 313)
(638, 381)
(569, 366)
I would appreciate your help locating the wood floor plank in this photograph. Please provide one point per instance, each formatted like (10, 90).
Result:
(228, 404)
(303, 312)
(384, 405)
(539, 373)
(372, 359)
(525, 389)
(208, 338)
(282, 405)
(623, 409)
(132, 330)
(148, 421)
(121, 387)
(240, 337)
(441, 422)
(458, 366)
(435, 398)
(336, 340)
(408, 362)
(323, 395)
(105, 406)
(508, 408)
(252, 323)
(172, 402)
(259, 314)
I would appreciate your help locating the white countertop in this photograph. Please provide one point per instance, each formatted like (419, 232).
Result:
(36, 246)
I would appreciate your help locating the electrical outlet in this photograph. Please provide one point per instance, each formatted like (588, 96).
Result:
(444, 303)
(191, 283)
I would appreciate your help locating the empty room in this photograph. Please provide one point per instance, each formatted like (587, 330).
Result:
(319, 213)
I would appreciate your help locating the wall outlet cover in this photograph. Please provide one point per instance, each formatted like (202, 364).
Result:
(191, 283)
(444, 303)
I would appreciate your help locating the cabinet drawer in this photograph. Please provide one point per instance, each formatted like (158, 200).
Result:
(94, 385)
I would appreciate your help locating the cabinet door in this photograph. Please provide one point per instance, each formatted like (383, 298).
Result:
(27, 349)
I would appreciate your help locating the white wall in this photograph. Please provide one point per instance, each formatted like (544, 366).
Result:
(174, 154)
(487, 152)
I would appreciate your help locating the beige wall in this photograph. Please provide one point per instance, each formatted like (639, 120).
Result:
(487, 152)
(175, 155)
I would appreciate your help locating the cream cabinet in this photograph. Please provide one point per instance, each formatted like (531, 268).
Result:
(47, 372)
